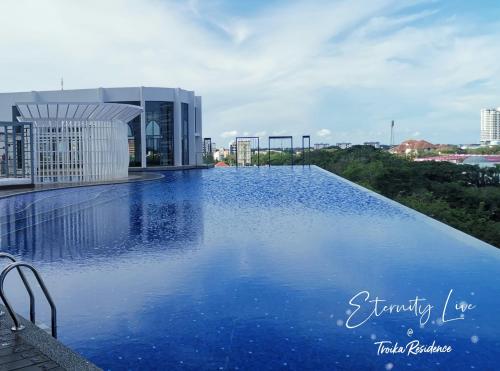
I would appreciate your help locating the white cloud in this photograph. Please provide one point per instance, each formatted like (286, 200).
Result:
(229, 134)
(324, 133)
(358, 65)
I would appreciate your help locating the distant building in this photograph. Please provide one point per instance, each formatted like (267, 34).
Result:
(220, 154)
(457, 158)
(490, 126)
(207, 146)
(244, 153)
(221, 164)
(470, 146)
(321, 145)
(344, 145)
(373, 144)
(413, 147)
(232, 148)
(482, 161)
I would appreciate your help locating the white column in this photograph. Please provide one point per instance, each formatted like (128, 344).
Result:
(143, 128)
(177, 128)
(199, 124)
(191, 138)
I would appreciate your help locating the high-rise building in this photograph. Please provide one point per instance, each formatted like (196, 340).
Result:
(490, 126)
(232, 148)
(207, 146)
(244, 153)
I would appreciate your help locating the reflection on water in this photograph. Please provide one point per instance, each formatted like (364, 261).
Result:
(80, 224)
(248, 269)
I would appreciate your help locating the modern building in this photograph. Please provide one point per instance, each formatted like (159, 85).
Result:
(168, 131)
(490, 126)
(207, 146)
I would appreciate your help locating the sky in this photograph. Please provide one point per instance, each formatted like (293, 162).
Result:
(339, 71)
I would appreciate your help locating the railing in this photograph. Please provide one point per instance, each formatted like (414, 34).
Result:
(26, 285)
(53, 311)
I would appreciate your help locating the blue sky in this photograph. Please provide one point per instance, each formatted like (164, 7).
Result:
(337, 70)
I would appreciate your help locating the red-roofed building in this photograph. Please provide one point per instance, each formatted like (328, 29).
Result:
(412, 146)
(221, 164)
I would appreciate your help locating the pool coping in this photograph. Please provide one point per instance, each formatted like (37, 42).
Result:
(45, 344)
(448, 229)
(146, 177)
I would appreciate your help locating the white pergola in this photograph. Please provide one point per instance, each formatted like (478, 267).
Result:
(79, 142)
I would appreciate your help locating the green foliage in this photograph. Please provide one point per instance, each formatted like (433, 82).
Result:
(463, 196)
(208, 159)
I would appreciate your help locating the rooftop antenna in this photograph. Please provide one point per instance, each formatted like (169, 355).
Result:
(392, 133)
(62, 83)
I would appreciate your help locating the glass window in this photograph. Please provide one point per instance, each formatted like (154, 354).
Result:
(159, 133)
(153, 129)
(185, 134)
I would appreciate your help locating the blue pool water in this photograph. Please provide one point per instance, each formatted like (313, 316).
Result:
(251, 269)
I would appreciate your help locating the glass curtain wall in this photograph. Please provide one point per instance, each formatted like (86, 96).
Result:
(185, 134)
(159, 133)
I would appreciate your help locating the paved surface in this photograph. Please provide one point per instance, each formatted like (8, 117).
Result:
(33, 349)
(17, 354)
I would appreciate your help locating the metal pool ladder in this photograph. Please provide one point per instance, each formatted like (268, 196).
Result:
(17, 265)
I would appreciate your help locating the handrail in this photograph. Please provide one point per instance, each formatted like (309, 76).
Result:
(17, 325)
(26, 284)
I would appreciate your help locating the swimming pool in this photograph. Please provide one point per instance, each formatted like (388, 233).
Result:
(252, 269)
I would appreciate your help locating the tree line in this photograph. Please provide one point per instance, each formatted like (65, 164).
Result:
(465, 197)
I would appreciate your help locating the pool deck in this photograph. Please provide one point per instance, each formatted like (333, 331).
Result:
(34, 349)
(133, 177)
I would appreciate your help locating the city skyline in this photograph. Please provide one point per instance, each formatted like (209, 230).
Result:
(338, 71)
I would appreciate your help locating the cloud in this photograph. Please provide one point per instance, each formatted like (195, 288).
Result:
(229, 134)
(324, 133)
(358, 65)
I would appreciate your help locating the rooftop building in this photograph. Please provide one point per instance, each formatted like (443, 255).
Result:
(167, 132)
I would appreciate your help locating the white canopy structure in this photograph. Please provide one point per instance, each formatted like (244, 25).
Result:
(79, 142)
